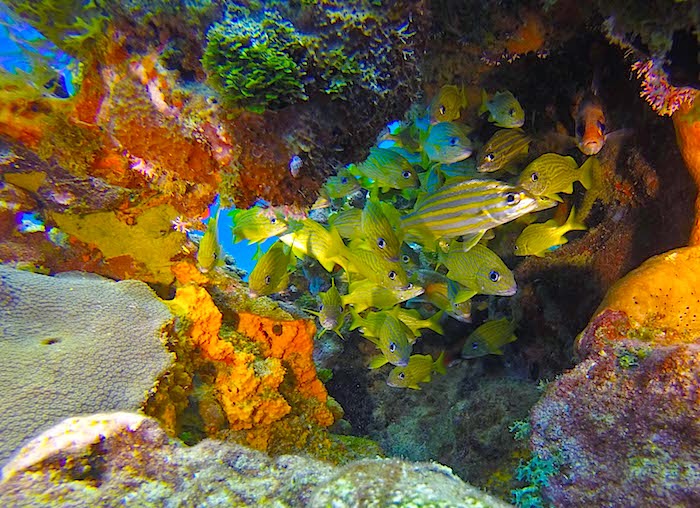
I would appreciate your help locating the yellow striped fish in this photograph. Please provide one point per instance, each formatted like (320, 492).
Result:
(311, 239)
(481, 272)
(387, 170)
(380, 237)
(489, 338)
(419, 370)
(506, 147)
(389, 274)
(346, 222)
(256, 224)
(552, 173)
(364, 294)
(468, 206)
(394, 343)
(271, 272)
(341, 185)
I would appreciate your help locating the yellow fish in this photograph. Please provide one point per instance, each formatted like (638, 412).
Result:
(312, 239)
(331, 313)
(391, 275)
(440, 292)
(551, 173)
(447, 105)
(346, 222)
(364, 294)
(503, 108)
(271, 272)
(505, 148)
(256, 224)
(538, 239)
(480, 271)
(489, 338)
(209, 252)
(393, 341)
(447, 142)
(341, 185)
(380, 237)
(386, 169)
(419, 370)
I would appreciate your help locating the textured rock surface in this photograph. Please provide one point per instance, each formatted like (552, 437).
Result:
(74, 344)
(139, 466)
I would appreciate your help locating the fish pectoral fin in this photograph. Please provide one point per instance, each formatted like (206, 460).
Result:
(463, 295)
(378, 361)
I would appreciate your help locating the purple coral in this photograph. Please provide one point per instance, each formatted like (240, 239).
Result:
(662, 96)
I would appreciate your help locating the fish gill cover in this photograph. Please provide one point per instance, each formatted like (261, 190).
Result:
(449, 180)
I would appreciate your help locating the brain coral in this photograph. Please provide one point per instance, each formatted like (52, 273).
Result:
(74, 344)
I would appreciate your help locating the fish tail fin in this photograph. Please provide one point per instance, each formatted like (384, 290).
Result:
(434, 322)
(484, 98)
(588, 169)
(378, 361)
(356, 320)
(572, 223)
(439, 365)
(337, 250)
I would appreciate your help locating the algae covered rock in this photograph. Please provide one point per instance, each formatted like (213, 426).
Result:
(74, 344)
(106, 471)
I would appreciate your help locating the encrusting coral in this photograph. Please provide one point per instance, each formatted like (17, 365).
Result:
(73, 344)
(121, 458)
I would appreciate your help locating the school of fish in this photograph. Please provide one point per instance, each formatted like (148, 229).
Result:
(405, 240)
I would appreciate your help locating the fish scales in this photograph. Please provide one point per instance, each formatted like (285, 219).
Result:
(468, 207)
(505, 147)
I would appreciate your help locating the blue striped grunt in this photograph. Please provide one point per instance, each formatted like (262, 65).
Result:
(256, 224)
(271, 272)
(386, 169)
(419, 370)
(503, 108)
(505, 148)
(331, 313)
(551, 173)
(489, 338)
(311, 239)
(364, 294)
(447, 142)
(341, 185)
(209, 251)
(369, 265)
(480, 271)
(379, 235)
(447, 104)
(394, 342)
(468, 206)
(538, 239)
(346, 222)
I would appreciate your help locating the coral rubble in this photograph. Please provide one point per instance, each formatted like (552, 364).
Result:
(99, 466)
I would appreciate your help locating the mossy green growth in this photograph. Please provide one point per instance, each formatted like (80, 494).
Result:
(630, 357)
(256, 64)
(75, 26)
(73, 147)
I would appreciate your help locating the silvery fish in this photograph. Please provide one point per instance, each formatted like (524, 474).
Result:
(505, 148)
(538, 239)
(551, 173)
(503, 108)
(447, 142)
(489, 338)
(468, 206)
(419, 370)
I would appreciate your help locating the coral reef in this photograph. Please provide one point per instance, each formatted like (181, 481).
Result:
(121, 458)
(624, 419)
(73, 344)
(688, 138)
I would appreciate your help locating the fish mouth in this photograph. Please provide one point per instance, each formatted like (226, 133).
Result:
(402, 362)
(252, 294)
(509, 291)
(590, 147)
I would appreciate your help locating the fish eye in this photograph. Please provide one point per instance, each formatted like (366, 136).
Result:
(453, 140)
(475, 345)
(392, 346)
(406, 174)
(511, 112)
(534, 177)
(515, 247)
(401, 375)
(410, 285)
(344, 180)
(340, 309)
(273, 220)
(601, 127)
(405, 258)
(392, 275)
(494, 276)
(381, 243)
(320, 307)
(490, 157)
(512, 198)
(268, 279)
(442, 109)
(580, 129)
